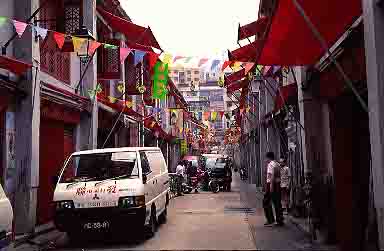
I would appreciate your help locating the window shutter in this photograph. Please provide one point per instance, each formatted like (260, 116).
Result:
(110, 61)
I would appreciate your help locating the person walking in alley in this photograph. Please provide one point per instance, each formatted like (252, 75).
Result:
(285, 173)
(180, 177)
(272, 192)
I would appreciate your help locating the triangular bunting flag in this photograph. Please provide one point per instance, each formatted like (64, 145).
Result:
(3, 20)
(128, 104)
(236, 66)
(221, 114)
(78, 43)
(181, 130)
(139, 55)
(59, 38)
(93, 45)
(225, 65)
(20, 27)
(41, 32)
(202, 61)
(153, 124)
(241, 111)
(177, 58)
(110, 46)
(248, 67)
(213, 116)
(167, 58)
(152, 58)
(188, 59)
(248, 109)
(124, 52)
(258, 70)
(112, 99)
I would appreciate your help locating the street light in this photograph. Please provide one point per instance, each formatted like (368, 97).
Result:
(83, 53)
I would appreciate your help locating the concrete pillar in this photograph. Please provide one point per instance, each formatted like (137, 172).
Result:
(373, 16)
(27, 119)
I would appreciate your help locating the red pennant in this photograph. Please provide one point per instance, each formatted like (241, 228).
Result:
(202, 61)
(59, 38)
(152, 57)
(93, 45)
(124, 52)
(225, 65)
(177, 58)
(221, 114)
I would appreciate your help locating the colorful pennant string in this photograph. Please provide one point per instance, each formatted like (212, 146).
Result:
(20, 27)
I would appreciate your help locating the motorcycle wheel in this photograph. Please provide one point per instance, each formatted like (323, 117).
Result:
(215, 188)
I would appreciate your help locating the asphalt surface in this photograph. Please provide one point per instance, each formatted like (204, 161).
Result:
(204, 221)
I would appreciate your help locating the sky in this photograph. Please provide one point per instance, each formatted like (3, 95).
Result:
(198, 28)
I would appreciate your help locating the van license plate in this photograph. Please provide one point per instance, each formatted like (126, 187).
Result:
(96, 225)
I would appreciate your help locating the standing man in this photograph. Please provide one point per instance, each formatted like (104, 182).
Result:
(272, 193)
(285, 184)
(180, 177)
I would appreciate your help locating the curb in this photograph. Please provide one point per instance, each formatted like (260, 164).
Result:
(28, 239)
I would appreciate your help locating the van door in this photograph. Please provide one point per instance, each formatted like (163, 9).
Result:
(158, 166)
(149, 188)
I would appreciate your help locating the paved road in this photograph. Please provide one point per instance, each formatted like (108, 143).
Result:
(203, 221)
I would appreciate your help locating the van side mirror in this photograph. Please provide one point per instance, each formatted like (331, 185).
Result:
(145, 179)
(55, 179)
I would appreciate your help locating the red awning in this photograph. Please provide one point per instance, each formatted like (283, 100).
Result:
(285, 95)
(249, 30)
(138, 37)
(237, 86)
(247, 53)
(236, 76)
(119, 106)
(13, 65)
(290, 40)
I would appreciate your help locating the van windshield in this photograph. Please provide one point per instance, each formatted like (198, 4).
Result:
(100, 166)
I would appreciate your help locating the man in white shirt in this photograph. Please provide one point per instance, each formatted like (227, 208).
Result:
(285, 183)
(180, 174)
(272, 193)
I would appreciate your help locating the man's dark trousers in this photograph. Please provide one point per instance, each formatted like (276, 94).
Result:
(275, 199)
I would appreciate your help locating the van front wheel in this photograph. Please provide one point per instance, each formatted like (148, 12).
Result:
(151, 228)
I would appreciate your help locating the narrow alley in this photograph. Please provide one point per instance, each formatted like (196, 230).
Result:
(202, 221)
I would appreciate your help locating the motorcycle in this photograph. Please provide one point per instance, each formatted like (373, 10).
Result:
(186, 189)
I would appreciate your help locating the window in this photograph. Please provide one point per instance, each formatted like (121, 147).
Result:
(157, 162)
(181, 77)
(189, 72)
(189, 79)
(145, 164)
(197, 72)
(196, 79)
(102, 166)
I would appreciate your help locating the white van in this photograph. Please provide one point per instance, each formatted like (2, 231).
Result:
(6, 218)
(112, 189)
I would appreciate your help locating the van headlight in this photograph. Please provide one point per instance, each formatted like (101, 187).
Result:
(132, 201)
(65, 204)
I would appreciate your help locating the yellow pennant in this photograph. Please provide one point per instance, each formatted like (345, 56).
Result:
(213, 116)
(112, 99)
(248, 109)
(181, 130)
(236, 66)
(128, 104)
(78, 44)
(152, 124)
(167, 58)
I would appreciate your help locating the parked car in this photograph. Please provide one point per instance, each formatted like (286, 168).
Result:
(112, 189)
(6, 219)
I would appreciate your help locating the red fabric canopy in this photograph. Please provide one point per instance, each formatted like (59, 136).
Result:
(231, 78)
(247, 53)
(13, 65)
(237, 86)
(138, 37)
(253, 28)
(284, 96)
(290, 40)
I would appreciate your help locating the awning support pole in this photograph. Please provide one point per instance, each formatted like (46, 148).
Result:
(323, 43)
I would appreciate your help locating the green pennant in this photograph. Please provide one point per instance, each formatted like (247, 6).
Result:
(188, 59)
(3, 20)
(110, 46)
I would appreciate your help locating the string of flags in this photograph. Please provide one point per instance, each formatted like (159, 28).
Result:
(79, 44)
